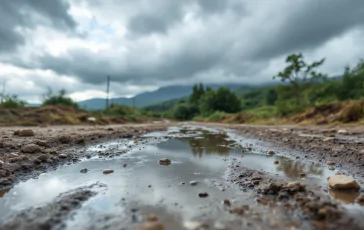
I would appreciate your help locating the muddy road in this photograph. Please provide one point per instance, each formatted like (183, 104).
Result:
(186, 176)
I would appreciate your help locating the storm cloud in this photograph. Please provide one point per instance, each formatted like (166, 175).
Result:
(144, 44)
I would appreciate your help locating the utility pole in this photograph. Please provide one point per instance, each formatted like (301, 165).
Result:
(107, 92)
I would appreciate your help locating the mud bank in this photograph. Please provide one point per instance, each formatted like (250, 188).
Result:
(41, 149)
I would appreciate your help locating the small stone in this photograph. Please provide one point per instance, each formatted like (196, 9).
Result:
(84, 170)
(293, 184)
(270, 153)
(37, 161)
(360, 199)
(124, 165)
(342, 131)
(62, 156)
(226, 202)
(108, 171)
(193, 183)
(26, 133)
(43, 158)
(331, 168)
(329, 139)
(43, 144)
(16, 132)
(330, 163)
(1, 164)
(203, 195)
(302, 174)
(222, 189)
(64, 139)
(335, 155)
(183, 183)
(164, 161)
(30, 148)
(149, 186)
(5, 182)
(276, 162)
(342, 182)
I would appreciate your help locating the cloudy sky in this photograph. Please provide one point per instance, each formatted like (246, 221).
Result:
(143, 44)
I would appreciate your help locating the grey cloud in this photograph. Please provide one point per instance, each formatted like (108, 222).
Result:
(308, 24)
(15, 14)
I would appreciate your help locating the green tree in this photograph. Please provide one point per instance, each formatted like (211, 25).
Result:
(220, 100)
(299, 74)
(184, 111)
(197, 92)
(59, 99)
(271, 97)
(352, 85)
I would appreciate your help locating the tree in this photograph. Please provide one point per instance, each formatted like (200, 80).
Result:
(11, 101)
(299, 74)
(271, 97)
(197, 92)
(184, 111)
(352, 82)
(220, 100)
(60, 99)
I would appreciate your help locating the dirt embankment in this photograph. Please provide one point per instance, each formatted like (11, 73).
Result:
(59, 115)
(24, 153)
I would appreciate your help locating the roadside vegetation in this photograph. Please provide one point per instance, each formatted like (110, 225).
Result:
(302, 95)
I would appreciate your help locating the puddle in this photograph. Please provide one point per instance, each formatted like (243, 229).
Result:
(144, 186)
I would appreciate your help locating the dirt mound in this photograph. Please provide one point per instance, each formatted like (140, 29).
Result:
(236, 118)
(55, 115)
(337, 112)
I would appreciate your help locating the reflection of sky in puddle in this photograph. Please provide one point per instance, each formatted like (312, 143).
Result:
(199, 159)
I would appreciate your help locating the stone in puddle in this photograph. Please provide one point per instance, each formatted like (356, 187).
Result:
(62, 156)
(203, 195)
(152, 223)
(30, 148)
(331, 168)
(226, 202)
(276, 162)
(342, 182)
(330, 163)
(270, 153)
(124, 165)
(108, 171)
(84, 170)
(193, 183)
(164, 161)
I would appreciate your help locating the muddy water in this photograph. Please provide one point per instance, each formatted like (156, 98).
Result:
(144, 186)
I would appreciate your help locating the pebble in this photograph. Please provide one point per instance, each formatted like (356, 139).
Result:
(164, 161)
(276, 162)
(1, 163)
(335, 155)
(26, 133)
(108, 171)
(226, 202)
(342, 182)
(43, 158)
(331, 168)
(62, 156)
(149, 186)
(330, 163)
(84, 170)
(193, 183)
(124, 165)
(30, 148)
(342, 131)
(222, 189)
(203, 195)
(183, 183)
(360, 199)
(302, 174)
(329, 139)
(270, 152)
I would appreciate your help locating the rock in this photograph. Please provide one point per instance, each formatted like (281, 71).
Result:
(302, 174)
(222, 189)
(43, 158)
(108, 171)
(183, 183)
(270, 153)
(64, 139)
(152, 223)
(5, 172)
(1, 164)
(165, 161)
(360, 199)
(30, 148)
(5, 182)
(226, 202)
(124, 165)
(193, 183)
(276, 162)
(342, 131)
(293, 184)
(149, 186)
(84, 170)
(43, 144)
(335, 155)
(37, 161)
(16, 132)
(80, 141)
(342, 182)
(329, 139)
(331, 168)
(62, 156)
(203, 195)
(330, 162)
(26, 133)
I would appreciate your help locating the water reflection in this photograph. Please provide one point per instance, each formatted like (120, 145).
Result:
(208, 143)
(347, 197)
(295, 168)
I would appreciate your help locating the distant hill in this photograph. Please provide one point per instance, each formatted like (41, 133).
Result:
(150, 98)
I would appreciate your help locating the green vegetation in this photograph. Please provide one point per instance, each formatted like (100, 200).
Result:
(59, 99)
(11, 102)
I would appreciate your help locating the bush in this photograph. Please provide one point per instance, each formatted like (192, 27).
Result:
(59, 99)
(184, 111)
(11, 102)
(221, 100)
